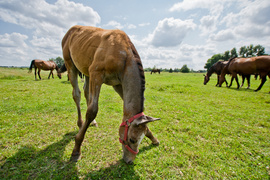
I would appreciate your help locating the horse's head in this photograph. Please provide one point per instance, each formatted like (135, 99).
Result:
(131, 135)
(59, 75)
(206, 79)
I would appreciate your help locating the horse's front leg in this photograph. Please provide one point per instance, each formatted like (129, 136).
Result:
(231, 81)
(92, 109)
(35, 73)
(49, 74)
(243, 80)
(151, 137)
(236, 79)
(76, 93)
(217, 80)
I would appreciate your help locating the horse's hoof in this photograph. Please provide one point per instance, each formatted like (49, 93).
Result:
(94, 124)
(75, 158)
(156, 143)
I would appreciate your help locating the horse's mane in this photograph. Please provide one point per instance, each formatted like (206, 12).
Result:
(139, 63)
(231, 59)
(225, 69)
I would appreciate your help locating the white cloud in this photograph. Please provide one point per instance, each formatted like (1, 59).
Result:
(114, 24)
(223, 35)
(144, 24)
(170, 32)
(214, 6)
(131, 26)
(31, 14)
(252, 21)
(47, 24)
(13, 49)
(208, 24)
(13, 40)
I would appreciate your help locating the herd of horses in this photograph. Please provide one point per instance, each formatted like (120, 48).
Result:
(257, 66)
(109, 57)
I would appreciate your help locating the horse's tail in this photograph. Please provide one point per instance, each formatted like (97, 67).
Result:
(31, 66)
(62, 69)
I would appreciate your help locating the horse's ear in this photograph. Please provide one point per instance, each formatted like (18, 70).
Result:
(145, 119)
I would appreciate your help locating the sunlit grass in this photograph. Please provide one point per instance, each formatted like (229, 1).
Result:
(206, 132)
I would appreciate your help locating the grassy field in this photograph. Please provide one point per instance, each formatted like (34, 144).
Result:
(206, 132)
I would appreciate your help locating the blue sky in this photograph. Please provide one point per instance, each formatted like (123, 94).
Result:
(167, 34)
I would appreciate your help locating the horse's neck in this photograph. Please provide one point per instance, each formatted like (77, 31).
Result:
(133, 91)
(210, 71)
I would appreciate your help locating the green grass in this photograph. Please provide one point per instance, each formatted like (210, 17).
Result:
(206, 132)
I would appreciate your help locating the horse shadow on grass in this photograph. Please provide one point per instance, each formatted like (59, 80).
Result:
(118, 169)
(30, 163)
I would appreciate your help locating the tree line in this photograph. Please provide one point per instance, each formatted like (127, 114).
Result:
(60, 61)
(244, 51)
(184, 69)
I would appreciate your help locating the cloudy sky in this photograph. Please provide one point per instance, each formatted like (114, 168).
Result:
(167, 34)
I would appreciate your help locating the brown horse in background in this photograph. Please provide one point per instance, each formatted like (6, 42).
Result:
(155, 70)
(109, 57)
(217, 69)
(259, 65)
(44, 65)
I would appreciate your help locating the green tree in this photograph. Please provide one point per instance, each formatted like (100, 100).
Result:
(243, 51)
(215, 58)
(250, 50)
(234, 52)
(184, 69)
(170, 71)
(259, 50)
(59, 61)
(226, 55)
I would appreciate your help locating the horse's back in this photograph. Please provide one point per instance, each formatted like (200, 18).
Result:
(250, 65)
(91, 47)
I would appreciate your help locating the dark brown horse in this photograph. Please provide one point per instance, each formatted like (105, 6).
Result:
(155, 70)
(109, 57)
(44, 65)
(247, 66)
(215, 68)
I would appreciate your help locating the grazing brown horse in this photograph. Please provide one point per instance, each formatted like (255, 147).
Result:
(215, 68)
(44, 65)
(109, 57)
(259, 65)
(155, 70)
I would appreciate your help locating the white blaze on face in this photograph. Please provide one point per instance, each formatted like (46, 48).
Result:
(140, 139)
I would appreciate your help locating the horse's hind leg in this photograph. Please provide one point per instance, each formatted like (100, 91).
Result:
(92, 109)
(262, 82)
(86, 95)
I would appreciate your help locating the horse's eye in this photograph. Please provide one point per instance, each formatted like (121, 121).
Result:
(132, 141)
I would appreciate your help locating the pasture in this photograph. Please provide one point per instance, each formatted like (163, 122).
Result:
(205, 132)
